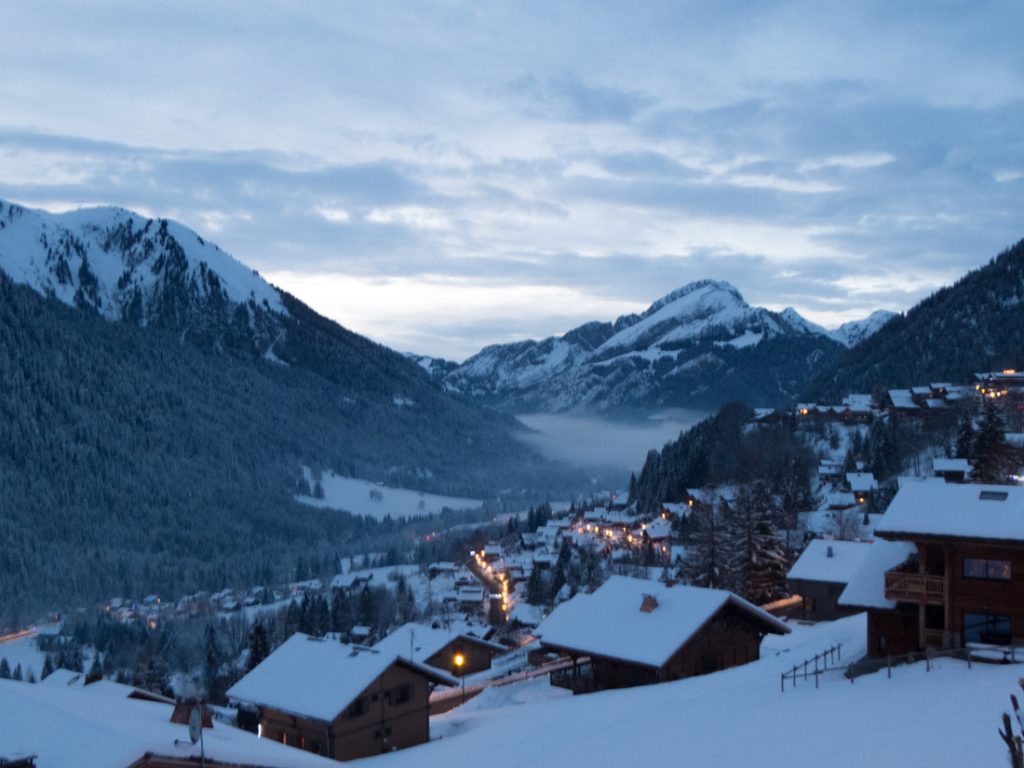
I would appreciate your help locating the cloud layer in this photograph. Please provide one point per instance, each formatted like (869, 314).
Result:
(442, 176)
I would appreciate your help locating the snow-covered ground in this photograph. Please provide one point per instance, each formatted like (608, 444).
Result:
(23, 651)
(739, 717)
(362, 497)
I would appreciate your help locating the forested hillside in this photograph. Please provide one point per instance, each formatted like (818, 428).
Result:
(976, 324)
(132, 462)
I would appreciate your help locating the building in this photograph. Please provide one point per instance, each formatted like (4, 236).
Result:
(952, 573)
(822, 572)
(459, 653)
(103, 726)
(338, 700)
(952, 470)
(637, 632)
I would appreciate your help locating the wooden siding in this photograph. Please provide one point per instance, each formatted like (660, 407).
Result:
(477, 657)
(383, 725)
(821, 599)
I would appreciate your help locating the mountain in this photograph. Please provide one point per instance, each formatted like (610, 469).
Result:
(159, 401)
(698, 347)
(976, 324)
(853, 333)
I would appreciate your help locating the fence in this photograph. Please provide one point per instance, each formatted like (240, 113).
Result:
(821, 663)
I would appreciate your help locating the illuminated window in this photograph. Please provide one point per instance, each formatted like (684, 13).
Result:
(978, 568)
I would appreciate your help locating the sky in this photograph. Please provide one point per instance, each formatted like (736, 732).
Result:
(445, 175)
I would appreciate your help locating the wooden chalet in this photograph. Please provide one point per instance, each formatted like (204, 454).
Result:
(636, 632)
(337, 700)
(457, 652)
(951, 571)
(821, 573)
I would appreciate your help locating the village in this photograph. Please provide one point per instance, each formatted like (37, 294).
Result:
(571, 599)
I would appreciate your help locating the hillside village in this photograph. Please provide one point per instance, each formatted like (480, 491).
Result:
(923, 568)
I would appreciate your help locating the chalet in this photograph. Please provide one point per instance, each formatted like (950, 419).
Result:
(902, 400)
(951, 573)
(459, 653)
(822, 572)
(102, 725)
(862, 485)
(952, 470)
(351, 582)
(637, 632)
(342, 701)
(441, 569)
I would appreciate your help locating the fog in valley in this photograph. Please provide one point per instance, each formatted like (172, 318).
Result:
(592, 441)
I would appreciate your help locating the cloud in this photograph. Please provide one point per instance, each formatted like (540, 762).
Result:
(527, 171)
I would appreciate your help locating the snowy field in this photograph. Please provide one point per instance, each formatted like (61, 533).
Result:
(362, 497)
(739, 717)
(23, 651)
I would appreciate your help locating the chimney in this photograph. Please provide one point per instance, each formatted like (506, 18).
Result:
(829, 552)
(649, 604)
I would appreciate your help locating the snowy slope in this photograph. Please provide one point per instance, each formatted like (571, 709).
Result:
(738, 717)
(148, 272)
(854, 332)
(700, 345)
(362, 497)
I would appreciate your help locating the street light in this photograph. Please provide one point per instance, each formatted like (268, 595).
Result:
(460, 661)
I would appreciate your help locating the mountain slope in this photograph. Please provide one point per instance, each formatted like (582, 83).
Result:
(699, 346)
(977, 324)
(138, 455)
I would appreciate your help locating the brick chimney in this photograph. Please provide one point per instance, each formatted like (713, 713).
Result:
(649, 604)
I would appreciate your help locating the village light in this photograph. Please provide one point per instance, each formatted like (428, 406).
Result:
(460, 660)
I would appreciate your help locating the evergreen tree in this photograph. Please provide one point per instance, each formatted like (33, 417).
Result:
(5, 669)
(965, 436)
(259, 644)
(535, 587)
(767, 572)
(47, 667)
(16, 674)
(341, 612)
(707, 549)
(991, 461)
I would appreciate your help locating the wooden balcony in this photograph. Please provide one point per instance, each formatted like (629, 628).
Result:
(578, 679)
(934, 638)
(915, 587)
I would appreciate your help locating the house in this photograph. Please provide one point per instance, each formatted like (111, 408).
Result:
(338, 700)
(822, 572)
(638, 632)
(459, 653)
(102, 726)
(862, 485)
(351, 582)
(953, 573)
(952, 470)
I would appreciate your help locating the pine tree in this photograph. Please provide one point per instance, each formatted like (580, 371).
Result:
(707, 549)
(16, 674)
(990, 455)
(259, 645)
(5, 669)
(535, 588)
(767, 572)
(965, 436)
(47, 667)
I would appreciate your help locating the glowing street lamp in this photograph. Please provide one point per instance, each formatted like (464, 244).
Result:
(460, 662)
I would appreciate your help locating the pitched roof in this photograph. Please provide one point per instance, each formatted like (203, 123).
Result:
(866, 589)
(319, 678)
(426, 641)
(94, 727)
(815, 563)
(609, 622)
(960, 511)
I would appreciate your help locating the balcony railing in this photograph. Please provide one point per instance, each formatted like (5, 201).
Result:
(578, 679)
(934, 638)
(914, 587)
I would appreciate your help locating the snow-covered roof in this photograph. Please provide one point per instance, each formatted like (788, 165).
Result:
(658, 528)
(347, 580)
(319, 678)
(425, 641)
(816, 564)
(609, 622)
(866, 589)
(961, 511)
(87, 727)
(902, 398)
(861, 481)
(951, 465)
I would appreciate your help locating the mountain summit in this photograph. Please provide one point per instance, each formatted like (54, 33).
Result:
(697, 347)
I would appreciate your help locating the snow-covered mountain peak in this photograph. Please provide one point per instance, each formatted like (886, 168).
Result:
(697, 292)
(852, 333)
(110, 259)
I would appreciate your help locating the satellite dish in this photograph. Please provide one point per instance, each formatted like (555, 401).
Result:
(195, 723)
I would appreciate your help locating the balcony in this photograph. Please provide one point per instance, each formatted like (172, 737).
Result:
(914, 587)
(578, 679)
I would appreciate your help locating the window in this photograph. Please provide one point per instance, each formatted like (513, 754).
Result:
(987, 628)
(357, 708)
(978, 568)
(993, 495)
(400, 695)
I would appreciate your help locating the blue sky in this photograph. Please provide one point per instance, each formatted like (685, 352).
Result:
(445, 175)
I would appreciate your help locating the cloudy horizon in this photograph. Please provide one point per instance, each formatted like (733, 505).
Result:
(449, 175)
